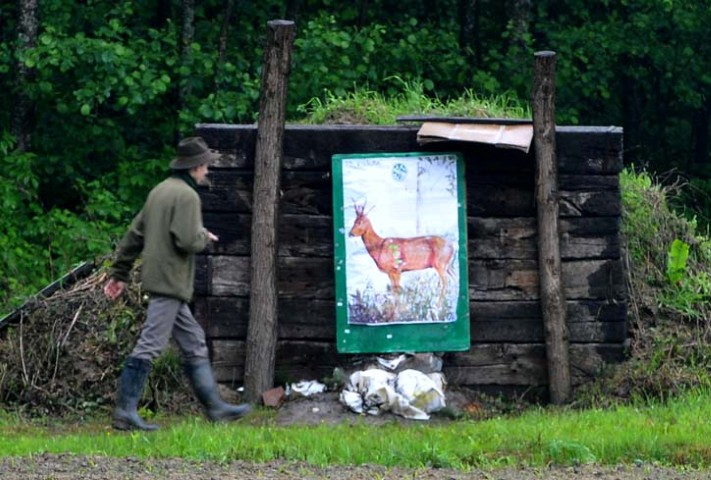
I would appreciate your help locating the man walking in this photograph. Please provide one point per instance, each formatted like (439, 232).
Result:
(168, 232)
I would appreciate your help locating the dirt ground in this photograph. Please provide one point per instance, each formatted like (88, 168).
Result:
(319, 409)
(325, 408)
(61, 467)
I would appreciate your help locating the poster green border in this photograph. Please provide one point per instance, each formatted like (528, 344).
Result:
(420, 337)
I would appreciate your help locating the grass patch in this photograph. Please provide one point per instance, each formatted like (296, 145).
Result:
(667, 433)
(365, 106)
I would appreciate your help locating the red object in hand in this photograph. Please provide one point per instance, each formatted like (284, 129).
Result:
(114, 288)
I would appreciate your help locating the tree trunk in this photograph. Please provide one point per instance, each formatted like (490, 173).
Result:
(362, 12)
(186, 58)
(469, 39)
(27, 25)
(224, 30)
(549, 267)
(293, 9)
(631, 137)
(521, 18)
(262, 329)
(222, 45)
(163, 13)
(700, 137)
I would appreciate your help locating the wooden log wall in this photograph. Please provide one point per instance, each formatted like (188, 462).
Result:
(507, 343)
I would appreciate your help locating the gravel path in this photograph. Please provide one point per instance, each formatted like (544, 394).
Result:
(60, 467)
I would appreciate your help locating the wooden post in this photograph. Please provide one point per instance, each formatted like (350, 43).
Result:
(551, 288)
(262, 329)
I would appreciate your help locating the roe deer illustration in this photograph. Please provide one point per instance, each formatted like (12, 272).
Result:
(394, 255)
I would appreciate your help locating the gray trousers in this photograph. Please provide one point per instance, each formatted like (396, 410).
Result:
(165, 317)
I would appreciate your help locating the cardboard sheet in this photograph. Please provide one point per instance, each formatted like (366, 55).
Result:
(518, 136)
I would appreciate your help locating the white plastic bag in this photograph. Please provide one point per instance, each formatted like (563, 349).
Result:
(411, 393)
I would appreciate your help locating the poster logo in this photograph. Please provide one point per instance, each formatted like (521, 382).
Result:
(399, 172)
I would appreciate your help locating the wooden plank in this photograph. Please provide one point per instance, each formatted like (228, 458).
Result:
(518, 280)
(587, 360)
(236, 142)
(511, 201)
(234, 231)
(463, 120)
(497, 364)
(294, 360)
(299, 235)
(485, 364)
(509, 195)
(589, 150)
(510, 331)
(299, 319)
(312, 319)
(305, 277)
(589, 238)
(493, 280)
(518, 331)
(577, 311)
(580, 237)
(230, 275)
(489, 238)
(310, 193)
(301, 192)
(228, 191)
(306, 318)
(202, 274)
(581, 150)
(524, 364)
(311, 146)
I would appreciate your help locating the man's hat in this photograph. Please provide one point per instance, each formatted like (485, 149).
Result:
(193, 152)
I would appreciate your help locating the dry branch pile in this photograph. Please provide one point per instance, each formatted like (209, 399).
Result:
(65, 353)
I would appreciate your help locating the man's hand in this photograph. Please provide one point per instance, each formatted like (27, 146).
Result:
(211, 236)
(114, 288)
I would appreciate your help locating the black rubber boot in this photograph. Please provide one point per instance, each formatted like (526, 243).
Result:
(205, 387)
(133, 378)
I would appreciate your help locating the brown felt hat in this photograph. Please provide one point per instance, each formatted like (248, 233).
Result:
(193, 152)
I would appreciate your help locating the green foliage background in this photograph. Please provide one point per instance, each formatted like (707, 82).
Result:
(112, 90)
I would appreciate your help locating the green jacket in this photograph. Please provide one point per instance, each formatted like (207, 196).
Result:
(168, 231)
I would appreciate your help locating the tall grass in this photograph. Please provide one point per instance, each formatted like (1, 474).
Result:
(365, 106)
(669, 433)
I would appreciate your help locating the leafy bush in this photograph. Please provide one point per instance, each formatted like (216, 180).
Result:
(42, 242)
(668, 255)
(333, 60)
(669, 291)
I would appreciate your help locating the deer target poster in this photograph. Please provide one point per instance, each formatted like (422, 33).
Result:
(400, 240)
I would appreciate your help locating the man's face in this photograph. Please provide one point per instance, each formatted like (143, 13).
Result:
(200, 174)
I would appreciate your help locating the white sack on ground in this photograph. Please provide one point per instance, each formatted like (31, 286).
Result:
(425, 392)
(305, 388)
(411, 393)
